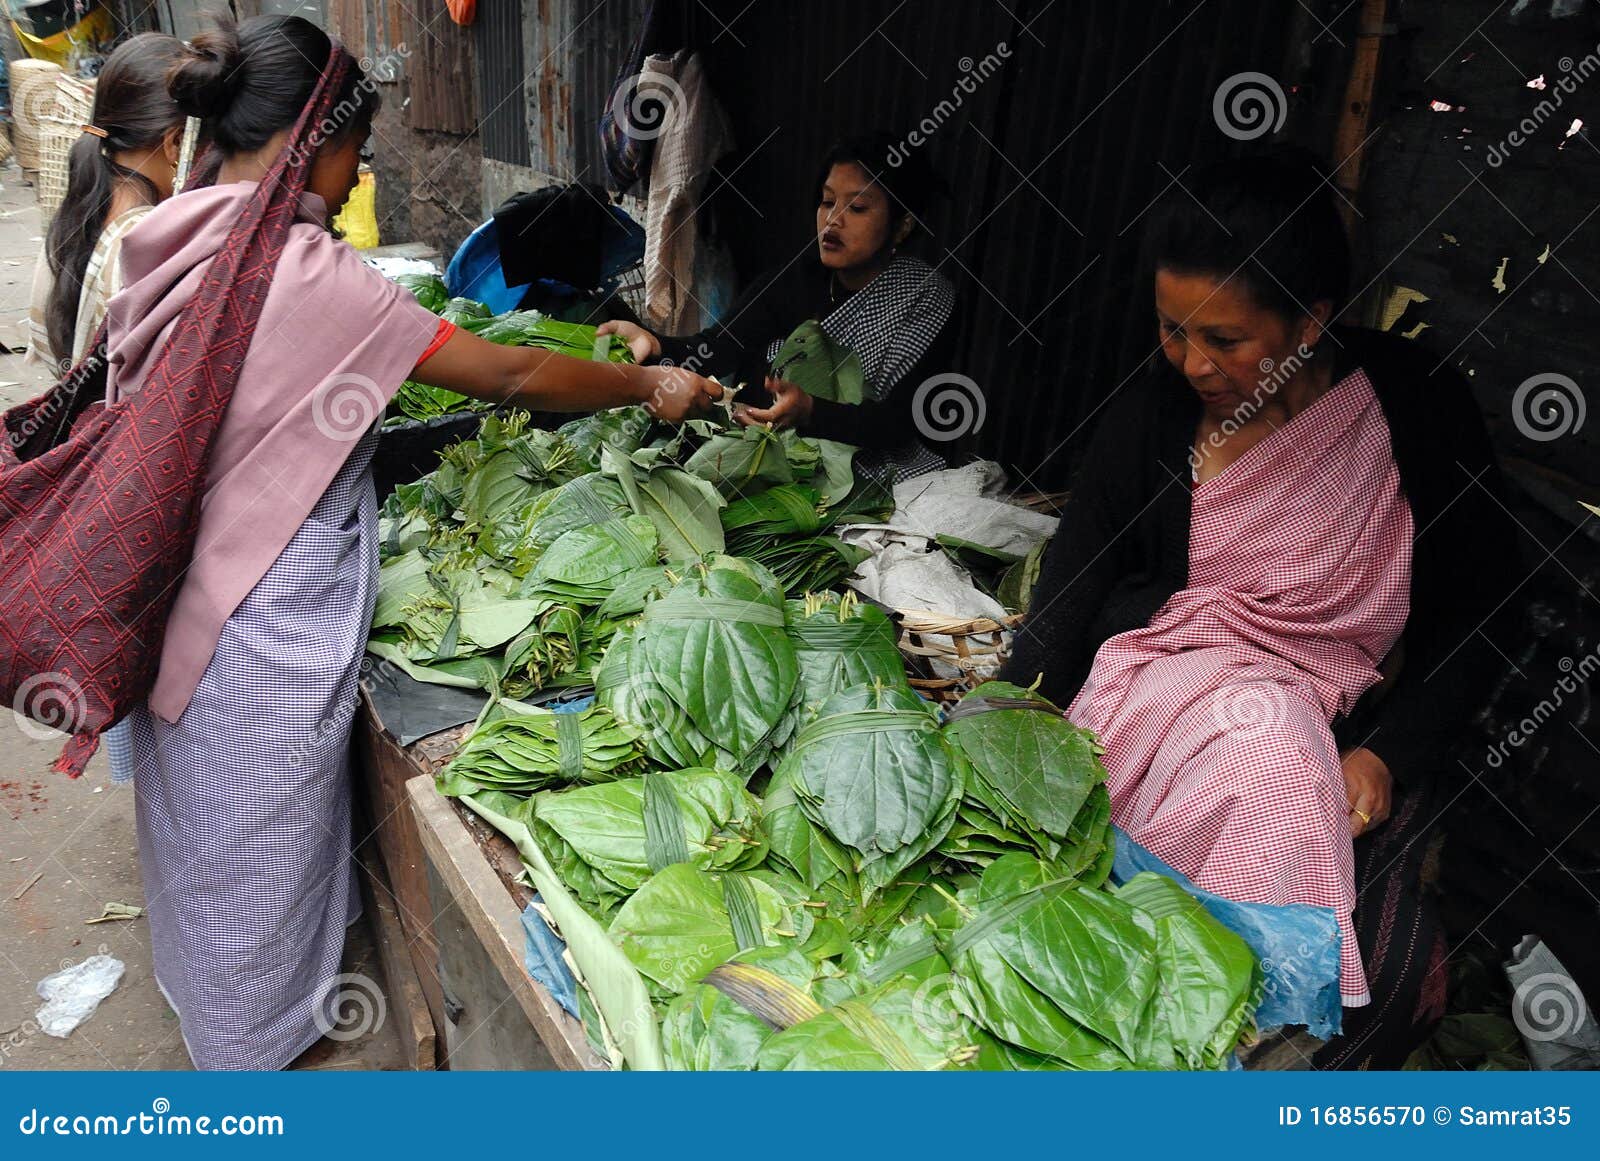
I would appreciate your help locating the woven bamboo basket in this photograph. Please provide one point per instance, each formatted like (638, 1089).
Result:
(74, 109)
(5, 144)
(936, 646)
(33, 102)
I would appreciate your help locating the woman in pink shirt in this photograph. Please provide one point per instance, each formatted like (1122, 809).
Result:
(241, 754)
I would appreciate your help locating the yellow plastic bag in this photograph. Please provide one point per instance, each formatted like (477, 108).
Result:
(358, 220)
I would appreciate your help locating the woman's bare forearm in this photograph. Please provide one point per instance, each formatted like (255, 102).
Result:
(531, 376)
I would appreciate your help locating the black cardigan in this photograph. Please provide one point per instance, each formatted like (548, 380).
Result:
(1123, 547)
(770, 309)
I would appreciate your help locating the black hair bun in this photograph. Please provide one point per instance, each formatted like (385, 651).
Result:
(205, 82)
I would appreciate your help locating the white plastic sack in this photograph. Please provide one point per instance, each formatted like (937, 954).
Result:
(72, 995)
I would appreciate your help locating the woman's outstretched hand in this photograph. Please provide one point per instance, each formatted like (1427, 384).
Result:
(677, 394)
(791, 407)
(1369, 789)
(644, 345)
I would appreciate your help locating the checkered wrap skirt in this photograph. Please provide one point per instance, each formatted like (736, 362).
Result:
(243, 803)
(1216, 716)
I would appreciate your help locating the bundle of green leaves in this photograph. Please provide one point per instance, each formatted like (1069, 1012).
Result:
(840, 642)
(522, 752)
(874, 771)
(684, 921)
(708, 673)
(1143, 977)
(606, 840)
(1036, 785)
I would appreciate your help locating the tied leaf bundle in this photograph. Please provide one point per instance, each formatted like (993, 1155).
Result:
(708, 674)
(1036, 787)
(1091, 979)
(841, 642)
(874, 771)
(684, 921)
(606, 840)
(525, 752)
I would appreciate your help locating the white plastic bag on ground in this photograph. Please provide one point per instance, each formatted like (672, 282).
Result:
(72, 995)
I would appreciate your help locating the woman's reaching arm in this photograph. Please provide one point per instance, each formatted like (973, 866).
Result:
(545, 381)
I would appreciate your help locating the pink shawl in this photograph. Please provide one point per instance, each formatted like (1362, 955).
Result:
(334, 342)
(1299, 551)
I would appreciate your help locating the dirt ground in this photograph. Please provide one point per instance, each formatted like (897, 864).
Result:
(67, 848)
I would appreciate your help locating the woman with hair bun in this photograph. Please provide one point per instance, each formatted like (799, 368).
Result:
(241, 749)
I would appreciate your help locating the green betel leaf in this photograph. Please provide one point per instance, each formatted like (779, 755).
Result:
(676, 927)
(683, 507)
(720, 1023)
(742, 462)
(873, 769)
(819, 366)
(607, 827)
(715, 648)
(1041, 765)
(401, 580)
(1208, 979)
(1089, 955)
(592, 558)
(800, 844)
(841, 642)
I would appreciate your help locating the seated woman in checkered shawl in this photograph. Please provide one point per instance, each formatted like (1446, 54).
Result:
(1260, 529)
(892, 309)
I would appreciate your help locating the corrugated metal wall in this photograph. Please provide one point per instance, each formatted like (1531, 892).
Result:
(502, 100)
(1052, 160)
(440, 97)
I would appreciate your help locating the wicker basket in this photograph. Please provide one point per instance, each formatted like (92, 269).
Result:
(936, 646)
(33, 102)
(5, 144)
(74, 109)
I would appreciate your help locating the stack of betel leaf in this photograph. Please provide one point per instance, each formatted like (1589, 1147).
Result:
(515, 328)
(812, 871)
(763, 848)
(511, 566)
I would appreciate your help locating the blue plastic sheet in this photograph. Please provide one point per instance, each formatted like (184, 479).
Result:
(541, 951)
(1297, 944)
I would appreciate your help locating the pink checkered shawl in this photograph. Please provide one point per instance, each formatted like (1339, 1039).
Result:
(1215, 716)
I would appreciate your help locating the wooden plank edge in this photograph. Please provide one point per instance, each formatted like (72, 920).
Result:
(496, 920)
(407, 1001)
